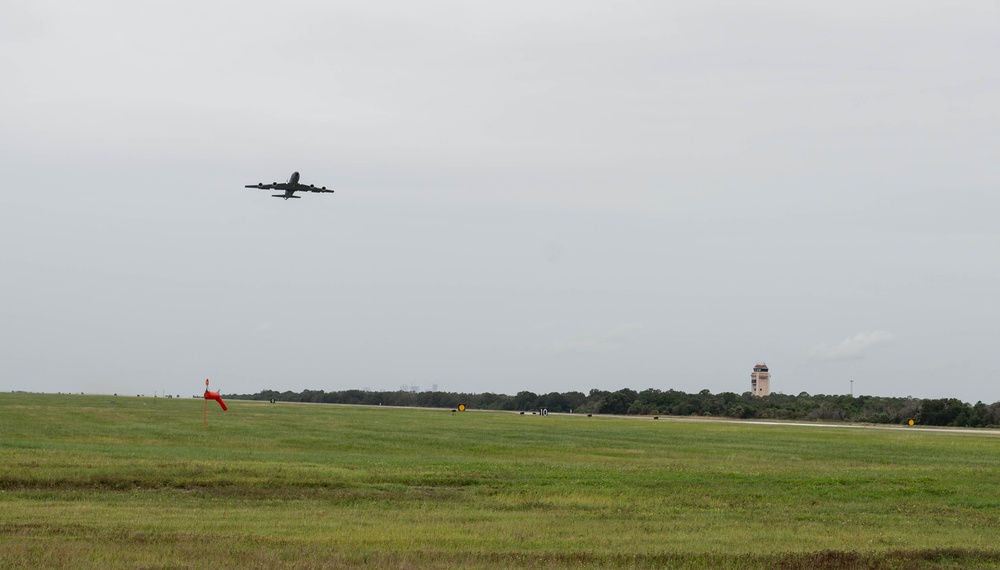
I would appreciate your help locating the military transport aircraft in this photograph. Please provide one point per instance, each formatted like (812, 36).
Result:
(290, 187)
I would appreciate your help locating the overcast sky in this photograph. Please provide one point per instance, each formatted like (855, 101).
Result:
(543, 196)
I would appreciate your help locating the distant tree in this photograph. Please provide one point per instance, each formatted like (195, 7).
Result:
(554, 402)
(575, 400)
(944, 412)
(525, 401)
(641, 408)
(618, 402)
(986, 415)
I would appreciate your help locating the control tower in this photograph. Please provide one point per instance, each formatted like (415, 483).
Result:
(760, 380)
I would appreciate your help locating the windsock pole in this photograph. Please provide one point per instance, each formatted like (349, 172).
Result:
(204, 421)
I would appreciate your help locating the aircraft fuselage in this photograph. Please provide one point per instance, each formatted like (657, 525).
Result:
(290, 188)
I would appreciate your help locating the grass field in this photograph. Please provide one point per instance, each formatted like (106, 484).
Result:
(102, 481)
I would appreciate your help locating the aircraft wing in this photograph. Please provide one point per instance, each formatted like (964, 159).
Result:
(311, 188)
(273, 186)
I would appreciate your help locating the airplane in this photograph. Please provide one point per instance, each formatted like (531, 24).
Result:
(290, 187)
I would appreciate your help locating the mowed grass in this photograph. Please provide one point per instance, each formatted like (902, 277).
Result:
(101, 482)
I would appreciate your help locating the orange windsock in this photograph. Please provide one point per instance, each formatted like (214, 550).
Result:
(215, 396)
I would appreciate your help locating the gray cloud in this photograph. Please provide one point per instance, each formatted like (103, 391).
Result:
(595, 341)
(851, 348)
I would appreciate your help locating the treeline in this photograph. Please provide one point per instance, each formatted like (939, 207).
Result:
(863, 409)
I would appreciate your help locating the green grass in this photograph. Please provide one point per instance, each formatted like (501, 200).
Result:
(101, 481)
